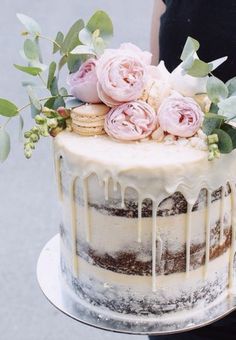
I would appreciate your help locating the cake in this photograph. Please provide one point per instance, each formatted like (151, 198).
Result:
(143, 234)
(145, 164)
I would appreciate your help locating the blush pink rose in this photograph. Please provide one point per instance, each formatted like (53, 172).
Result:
(131, 121)
(83, 83)
(180, 116)
(122, 75)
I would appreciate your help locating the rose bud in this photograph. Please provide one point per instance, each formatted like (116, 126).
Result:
(63, 112)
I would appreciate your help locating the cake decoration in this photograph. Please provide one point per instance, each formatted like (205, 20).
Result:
(185, 101)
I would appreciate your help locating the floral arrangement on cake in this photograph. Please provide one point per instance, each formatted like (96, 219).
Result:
(134, 100)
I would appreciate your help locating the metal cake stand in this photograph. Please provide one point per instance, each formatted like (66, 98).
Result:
(49, 278)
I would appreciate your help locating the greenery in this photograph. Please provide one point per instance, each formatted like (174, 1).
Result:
(51, 113)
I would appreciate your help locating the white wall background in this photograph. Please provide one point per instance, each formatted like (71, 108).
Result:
(29, 213)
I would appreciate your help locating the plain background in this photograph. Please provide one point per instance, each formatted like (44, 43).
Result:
(29, 214)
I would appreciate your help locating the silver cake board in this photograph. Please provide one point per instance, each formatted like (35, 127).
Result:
(50, 281)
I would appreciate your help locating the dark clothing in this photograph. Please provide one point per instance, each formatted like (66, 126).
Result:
(211, 22)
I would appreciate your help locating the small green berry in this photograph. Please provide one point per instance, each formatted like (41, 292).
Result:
(34, 138)
(28, 153)
(43, 131)
(27, 134)
(211, 156)
(52, 123)
(40, 120)
(213, 147)
(212, 139)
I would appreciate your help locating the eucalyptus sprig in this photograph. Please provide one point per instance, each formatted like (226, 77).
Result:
(80, 42)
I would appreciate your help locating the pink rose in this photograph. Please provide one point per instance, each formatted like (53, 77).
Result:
(180, 116)
(122, 75)
(83, 83)
(144, 55)
(131, 121)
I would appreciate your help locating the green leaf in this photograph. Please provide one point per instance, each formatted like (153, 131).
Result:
(82, 49)
(63, 91)
(216, 63)
(102, 22)
(5, 144)
(34, 111)
(50, 103)
(228, 106)
(99, 46)
(37, 63)
(231, 84)
(216, 89)
(30, 24)
(7, 108)
(33, 98)
(31, 50)
(33, 71)
(199, 69)
(191, 46)
(59, 40)
(231, 132)
(71, 103)
(54, 87)
(74, 61)
(51, 73)
(62, 62)
(58, 102)
(72, 37)
(225, 143)
(21, 126)
(85, 36)
(211, 122)
(214, 108)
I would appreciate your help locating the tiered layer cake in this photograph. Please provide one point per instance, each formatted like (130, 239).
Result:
(147, 228)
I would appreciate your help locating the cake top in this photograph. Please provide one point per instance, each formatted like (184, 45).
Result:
(119, 94)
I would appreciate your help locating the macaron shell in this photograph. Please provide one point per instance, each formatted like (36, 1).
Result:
(88, 131)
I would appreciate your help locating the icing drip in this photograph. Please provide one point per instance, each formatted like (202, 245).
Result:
(222, 208)
(106, 188)
(233, 242)
(188, 238)
(58, 177)
(154, 246)
(73, 227)
(86, 209)
(208, 230)
(140, 220)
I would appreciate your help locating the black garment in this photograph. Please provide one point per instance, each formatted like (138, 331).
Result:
(211, 22)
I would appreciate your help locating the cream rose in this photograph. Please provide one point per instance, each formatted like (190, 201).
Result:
(131, 121)
(122, 75)
(83, 83)
(180, 116)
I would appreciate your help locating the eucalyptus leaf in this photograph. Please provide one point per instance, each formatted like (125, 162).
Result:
(50, 103)
(191, 46)
(54, 87)
(59, 40)
(188, 62)
(199, 69)
(102, 22)
(82, 49)
(5, 144)
(7, 108)
(59, 101)
(228, 106)
(231, 132)
(72, 38)
(37, 63)
(211, 122)
(33, 98)
(231, 84)
(33, 71)
(21, 126)
(51, 73)
(63, 91)
(214, 108)
(30, 24)
(216, 89)
(39, 49)
(62, 62)
(225, 143)
(31, 50)
(74, 61)
(99, 46)
(216, 63)
(34, 111)
(85, 36)
(71, 103)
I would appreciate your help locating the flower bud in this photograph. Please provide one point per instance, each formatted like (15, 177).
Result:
(34, 138)
(27, 134)
(213, 139)
(49, 113)
(40, 120)
(211, 156)
(63, 112)
(28, 153)
(52, 123)
(213, 147)
(54, 132)
(43, 131)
